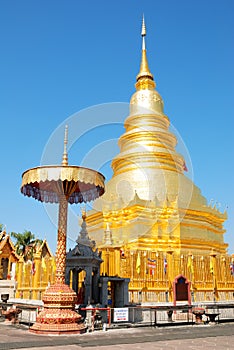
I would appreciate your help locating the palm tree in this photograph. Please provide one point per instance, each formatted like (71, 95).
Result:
(25, 244)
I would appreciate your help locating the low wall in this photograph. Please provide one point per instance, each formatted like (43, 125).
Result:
(29, 309)
(168, 314)
(7, 287)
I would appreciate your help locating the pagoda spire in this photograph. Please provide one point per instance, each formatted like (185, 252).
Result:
(143, 32)
(145, 79)
(65, 156)
(83, 237)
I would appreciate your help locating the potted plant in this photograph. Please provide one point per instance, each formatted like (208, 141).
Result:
(198, 312)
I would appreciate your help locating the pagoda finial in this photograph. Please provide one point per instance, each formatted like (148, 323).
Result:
(65, 156)
(144, 73)
(83, 211)
(143, 32)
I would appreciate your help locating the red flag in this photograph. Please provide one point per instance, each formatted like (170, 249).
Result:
(165, 265)
(33, 269)
(232, 268)
(185, 167)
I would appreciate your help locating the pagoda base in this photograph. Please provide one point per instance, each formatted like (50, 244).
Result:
(58, 316)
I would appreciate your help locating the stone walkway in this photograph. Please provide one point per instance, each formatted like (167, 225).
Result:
(214, 337)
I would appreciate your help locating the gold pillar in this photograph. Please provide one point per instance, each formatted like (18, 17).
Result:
(20, 277)
(116, 262)
(36, 276)
(190, 269)
(170, 274)
(51, 270)
(105, 265)
(213, 270)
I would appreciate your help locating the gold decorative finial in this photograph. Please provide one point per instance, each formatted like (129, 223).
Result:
(83, 211)
(143, 28)
(143, 33)
(65, 156)
(145, 79)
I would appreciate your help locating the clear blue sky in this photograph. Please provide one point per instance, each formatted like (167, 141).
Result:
(59, 57)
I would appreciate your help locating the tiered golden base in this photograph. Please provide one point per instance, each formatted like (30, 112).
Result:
(58, 316)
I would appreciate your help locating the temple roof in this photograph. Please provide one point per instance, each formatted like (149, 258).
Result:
(6, 246)
(44, 248)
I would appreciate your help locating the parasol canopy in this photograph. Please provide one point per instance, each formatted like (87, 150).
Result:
(48, 183)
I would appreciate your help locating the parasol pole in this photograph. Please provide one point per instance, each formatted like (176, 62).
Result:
(62, 224)
(61, 241)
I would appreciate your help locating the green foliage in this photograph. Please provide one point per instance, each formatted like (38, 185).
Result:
(1, 227)
(25, 243)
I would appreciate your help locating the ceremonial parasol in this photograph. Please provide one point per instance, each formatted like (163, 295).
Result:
(61, 184)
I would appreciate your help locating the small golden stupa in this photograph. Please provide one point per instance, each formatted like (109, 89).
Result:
(153, 224)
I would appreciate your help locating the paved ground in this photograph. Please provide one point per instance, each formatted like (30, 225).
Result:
(214, 337)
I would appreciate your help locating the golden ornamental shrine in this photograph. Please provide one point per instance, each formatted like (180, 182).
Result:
(34, 276)
(153, 225)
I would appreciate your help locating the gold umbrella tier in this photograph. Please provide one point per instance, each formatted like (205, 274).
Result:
(48, 183)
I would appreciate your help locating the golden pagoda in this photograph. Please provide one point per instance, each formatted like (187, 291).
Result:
(153, 225)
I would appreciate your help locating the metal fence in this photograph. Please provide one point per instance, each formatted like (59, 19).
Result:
(133, 316)
(158, 316)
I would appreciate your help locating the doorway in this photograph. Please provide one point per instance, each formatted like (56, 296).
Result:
(181, 289)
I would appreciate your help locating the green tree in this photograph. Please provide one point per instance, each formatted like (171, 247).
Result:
(1, 227)
(25, 243)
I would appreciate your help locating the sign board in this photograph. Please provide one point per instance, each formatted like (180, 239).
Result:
(121, 314)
